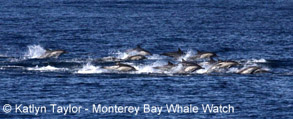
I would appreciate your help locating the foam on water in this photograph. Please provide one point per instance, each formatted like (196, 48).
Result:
(10, 66)
(201, 71)
(256, 61)
(34, 51)
(148, 68)
(176, 69)
(46, 68)
(155, 57)
(188, 54)
(122, 55)
(90, 69)
(232, 70)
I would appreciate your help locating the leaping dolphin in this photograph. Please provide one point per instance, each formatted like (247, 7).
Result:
(139, 51)
(203, 55)
(226, 64)
(108, 59)
(136, 57)
(222, 65)
(120, 67)
(190, 66)
(52, 54)
(114, 59)
(252, 70)
(166, 67)
(175, 54)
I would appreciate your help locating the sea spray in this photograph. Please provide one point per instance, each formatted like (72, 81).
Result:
(34, 51)
(46, 68)
(90, 69)
(187, 55)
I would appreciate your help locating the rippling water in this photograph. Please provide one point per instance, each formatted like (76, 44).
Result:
(253, 32)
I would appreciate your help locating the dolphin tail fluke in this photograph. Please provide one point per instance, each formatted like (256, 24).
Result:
(170, 63)
(179, 50)
(183, 60)
(198, 51)
(216, 55)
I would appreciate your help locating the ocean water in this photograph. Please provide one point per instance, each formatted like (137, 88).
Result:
(251, 32)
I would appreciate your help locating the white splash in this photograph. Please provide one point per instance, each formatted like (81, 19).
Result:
(149, 68)
(233, 70)
(155, 57)
(122, 55)
(187, 55)
(90, 69)
(258, 60)
(34, 51)
(201, 71)
(46, 68)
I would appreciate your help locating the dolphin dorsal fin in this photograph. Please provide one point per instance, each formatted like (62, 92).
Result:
(138, 46)
(198, 51)
(183, 60)
(179, 50)
(118, 63)
(170, 63)
(47, 49)
(212, 60)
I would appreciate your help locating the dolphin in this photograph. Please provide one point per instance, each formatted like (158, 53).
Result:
(210, 62)
(136, 57)
(222, 65)
(114, 59)
(140, 51)
(120, 67)
(203, 55)
(190, 66)
(108, 59)
(166, 67)
(252, 70)
(52, 54)
(226, 64)
(175, 54)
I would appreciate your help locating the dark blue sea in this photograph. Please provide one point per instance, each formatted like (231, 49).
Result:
(253, 32)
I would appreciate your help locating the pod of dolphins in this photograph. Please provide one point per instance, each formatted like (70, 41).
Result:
(188, 65)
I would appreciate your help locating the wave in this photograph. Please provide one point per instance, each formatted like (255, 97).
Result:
(2, 56)
(10, 67)
(256, 61)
